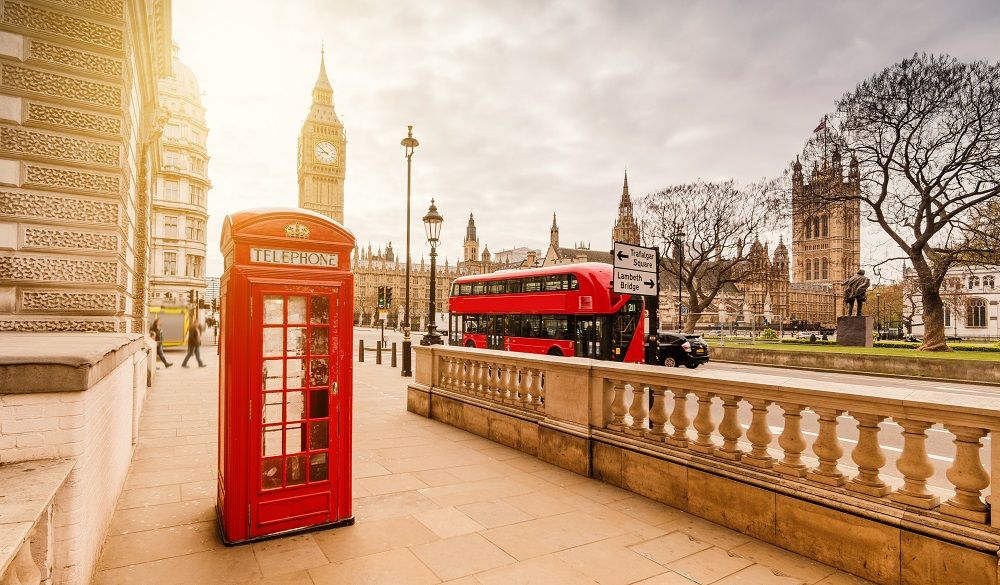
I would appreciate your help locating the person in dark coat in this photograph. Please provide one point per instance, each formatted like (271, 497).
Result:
(194, 344)
(157, 334)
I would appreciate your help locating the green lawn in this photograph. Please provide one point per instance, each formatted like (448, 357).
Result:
(892, 351)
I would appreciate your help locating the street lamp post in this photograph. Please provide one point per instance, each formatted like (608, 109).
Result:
(432, 225)
(878, 314)
(679, 246)
(409, 144)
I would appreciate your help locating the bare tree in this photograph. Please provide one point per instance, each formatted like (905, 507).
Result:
(720, 220)
(926, 136)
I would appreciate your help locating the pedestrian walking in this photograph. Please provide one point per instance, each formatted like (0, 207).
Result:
(157, 334)
(194, 344)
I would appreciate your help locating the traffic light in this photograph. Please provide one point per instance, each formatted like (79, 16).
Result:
(215, 305)
(388, 298)
(381, 297)
(191, 295)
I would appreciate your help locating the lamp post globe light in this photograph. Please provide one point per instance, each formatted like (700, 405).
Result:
(432, 225)
(409, 144)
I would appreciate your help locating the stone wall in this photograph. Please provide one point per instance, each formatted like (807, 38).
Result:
(77, 114)
(85, 410)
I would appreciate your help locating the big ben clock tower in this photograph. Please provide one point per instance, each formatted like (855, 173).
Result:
(322, 153)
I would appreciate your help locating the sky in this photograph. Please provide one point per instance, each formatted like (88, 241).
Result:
(525, 108)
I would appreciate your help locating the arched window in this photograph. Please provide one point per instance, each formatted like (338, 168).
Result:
(973, 282)
(816, 273)
(809, 270)
(826, 269)
(947, 316)
(826, 226)
(976, 315)
(988, 282)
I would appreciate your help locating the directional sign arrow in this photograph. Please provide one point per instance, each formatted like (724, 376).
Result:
(622, 255)
(649, 282)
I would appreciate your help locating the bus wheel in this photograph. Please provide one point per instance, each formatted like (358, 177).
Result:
(691, 365)
(555, 351)
(669, 362)
(470, 343)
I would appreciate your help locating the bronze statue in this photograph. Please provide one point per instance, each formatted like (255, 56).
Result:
(854, 291)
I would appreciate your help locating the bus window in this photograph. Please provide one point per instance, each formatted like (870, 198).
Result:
(454, 289)
(472, 323)
(531, 326)
(555, 327)
(553, 282)
(574, 284)
(624, 327)
(514, 285)
(512, 325)
(496, 287)
(479, 288)
(466, 289)
(455, 330)
(532, 284)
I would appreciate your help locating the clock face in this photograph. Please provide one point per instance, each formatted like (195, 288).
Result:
(326, 152)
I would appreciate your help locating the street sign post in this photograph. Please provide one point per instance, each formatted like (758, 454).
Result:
(637, 271)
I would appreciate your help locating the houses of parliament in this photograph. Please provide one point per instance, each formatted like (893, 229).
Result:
(802, 287)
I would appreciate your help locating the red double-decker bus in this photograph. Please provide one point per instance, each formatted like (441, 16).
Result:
(560, 310)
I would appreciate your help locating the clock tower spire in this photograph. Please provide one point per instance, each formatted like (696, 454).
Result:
(322, 152)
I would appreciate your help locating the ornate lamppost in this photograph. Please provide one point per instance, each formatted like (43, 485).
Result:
(432, 225)
(409, 144)
(878, 314)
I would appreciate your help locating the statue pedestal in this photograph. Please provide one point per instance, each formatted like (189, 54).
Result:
(855, 331)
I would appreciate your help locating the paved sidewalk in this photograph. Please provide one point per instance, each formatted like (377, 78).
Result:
(433, 504)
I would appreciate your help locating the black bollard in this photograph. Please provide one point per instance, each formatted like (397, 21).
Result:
(361, 350)
(378, 352)
(393, 361)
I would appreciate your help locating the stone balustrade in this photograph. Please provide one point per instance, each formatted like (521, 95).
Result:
(657, 405)
(26, 526)
(514, 383)
(764, 455)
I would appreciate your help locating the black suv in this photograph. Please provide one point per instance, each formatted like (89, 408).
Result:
(679, 349)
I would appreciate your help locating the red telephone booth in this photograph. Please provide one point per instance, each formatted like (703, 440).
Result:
(285, 374)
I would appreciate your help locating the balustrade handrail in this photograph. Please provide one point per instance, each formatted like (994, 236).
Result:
(26, 518)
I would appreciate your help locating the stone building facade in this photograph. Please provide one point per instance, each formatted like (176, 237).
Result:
(971, 308)
(322, 153)
(384, 268)
(180, 192)
(79, 127)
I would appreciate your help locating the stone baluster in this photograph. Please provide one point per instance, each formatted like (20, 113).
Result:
(538, 389)
(658, 413)
(639, 410)
(521, 383)
(703, 424)
(730, 429)
(679, 419)
(503, 385)
(471, 372)
(792, 442)
(618, 407)
(445, 371)
(915, 466)
(23, 570)
(868, 456)
(967, 475)
(827, 448)
(759, 434)
(482, 381)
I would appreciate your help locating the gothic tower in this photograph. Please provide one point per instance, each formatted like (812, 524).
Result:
(826, 223)
(554, 233)
(625, 230)
(322, 153)
(471, 241)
